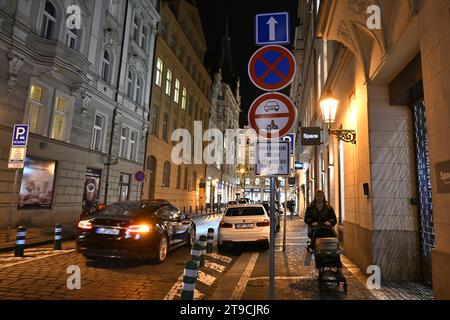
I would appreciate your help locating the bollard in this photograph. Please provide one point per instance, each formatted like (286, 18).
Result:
(20, 241)
(203, 241)
(58, 237)
(209, 247)
(196, 252)
(189, 279)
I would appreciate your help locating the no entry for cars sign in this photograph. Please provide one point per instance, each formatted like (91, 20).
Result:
(272, 68)
(272, 115)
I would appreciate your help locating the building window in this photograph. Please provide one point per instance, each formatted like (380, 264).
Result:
(124, 187)
(72, 38)
(166, 175)
(267, 182)
(124, 142)
(168, 81)
(60, 119)
(138, 97)
(98, 132)
(49, 21)
(133, 144)
(190, 105)
(247, 181)
(257, 182)
(165, 126)
(106, 66)
(136, 26)
(130, 81)
(185, 184)
(176, 94)
(179, 177)
(35, 105)
(194, 181)
(159, 70)
(143, 39)
(155, 116)
(183, 99)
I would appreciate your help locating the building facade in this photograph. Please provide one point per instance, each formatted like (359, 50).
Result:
(225, 112)
(73, 83)
(180, 96)
(392, 90)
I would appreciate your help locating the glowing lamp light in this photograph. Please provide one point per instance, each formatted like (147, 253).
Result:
(328, 106)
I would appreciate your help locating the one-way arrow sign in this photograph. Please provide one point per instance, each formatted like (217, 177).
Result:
(272, 28)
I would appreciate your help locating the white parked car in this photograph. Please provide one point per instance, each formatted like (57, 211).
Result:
(244, 223)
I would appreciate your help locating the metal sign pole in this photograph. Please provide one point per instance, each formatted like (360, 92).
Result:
(11, 209)
(285, 212)
(272, 240)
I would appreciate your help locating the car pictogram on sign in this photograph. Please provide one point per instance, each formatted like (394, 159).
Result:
(272, 106)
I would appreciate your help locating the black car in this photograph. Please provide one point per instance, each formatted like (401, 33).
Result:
(137, 229)
(277, 214)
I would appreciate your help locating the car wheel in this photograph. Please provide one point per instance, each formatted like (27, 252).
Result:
(221, 248)
(162, 249)
(266, 245)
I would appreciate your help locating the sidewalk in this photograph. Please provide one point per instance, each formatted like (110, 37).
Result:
(248, 278)
(35, 237)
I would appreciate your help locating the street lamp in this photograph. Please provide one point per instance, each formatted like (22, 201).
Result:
(328, 106)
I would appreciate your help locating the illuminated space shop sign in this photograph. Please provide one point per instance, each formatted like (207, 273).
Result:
(311, 136)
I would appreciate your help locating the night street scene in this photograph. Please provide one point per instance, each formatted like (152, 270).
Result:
(236, 154)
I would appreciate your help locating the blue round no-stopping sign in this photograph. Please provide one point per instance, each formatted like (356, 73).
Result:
(139, 176)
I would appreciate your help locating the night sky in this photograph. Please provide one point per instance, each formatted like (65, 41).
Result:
(241, 15)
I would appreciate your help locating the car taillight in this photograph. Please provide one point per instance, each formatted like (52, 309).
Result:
(224, 224)
(139, 228)
(85, 224)
(265, 223)
(101, 206)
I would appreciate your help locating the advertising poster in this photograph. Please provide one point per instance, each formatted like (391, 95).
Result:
(36, 190)
(91, 192)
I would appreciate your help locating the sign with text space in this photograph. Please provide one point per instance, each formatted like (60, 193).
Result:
(20, 135)
(272, 28)
(272, 158)
(311, 136)
(272, 68)
(272, 115)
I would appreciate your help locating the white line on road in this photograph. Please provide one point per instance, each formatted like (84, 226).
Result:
(34, 259)
(284, 278)
(242, 284)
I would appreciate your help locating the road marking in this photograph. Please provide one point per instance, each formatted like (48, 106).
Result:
(215, 266)
(205, 278)
(220, 257)
(175, 291)
(34, 259)
(284, 278)
(242, 284)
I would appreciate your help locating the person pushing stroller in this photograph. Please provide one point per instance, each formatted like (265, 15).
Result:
(318, 214)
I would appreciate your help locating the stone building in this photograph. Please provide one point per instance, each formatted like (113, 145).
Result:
(225, 111)
(392, 85)
(180, 95)
(72, 84)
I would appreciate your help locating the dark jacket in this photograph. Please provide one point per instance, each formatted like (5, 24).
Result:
(313, 214)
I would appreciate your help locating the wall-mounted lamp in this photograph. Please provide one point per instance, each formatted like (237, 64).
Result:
(328, 106)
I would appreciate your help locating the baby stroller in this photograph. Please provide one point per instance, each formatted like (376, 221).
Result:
(324, 245)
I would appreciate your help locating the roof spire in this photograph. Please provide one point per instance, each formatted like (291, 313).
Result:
(226, 63)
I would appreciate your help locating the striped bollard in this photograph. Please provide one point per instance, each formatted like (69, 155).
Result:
(189, 279)
(196, 252)
(203, 245)
(20, 241)
(58, 237)
(209, 247)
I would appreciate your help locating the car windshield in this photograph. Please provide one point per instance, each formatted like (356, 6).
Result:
(250, 211)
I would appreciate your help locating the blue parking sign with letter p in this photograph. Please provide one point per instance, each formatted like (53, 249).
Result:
(20, 135)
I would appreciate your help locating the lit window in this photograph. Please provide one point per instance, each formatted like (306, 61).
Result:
(159, 70)
(60, 119)
(168, 81)
(49, 21)
(257, 182)
(176, 95)
(98, 133)
(35, 106)
(133, 143)
(183, 99)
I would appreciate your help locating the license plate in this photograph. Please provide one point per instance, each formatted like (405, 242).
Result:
(107, 231)
(244, 226)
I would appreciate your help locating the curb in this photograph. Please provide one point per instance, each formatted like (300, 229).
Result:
(34, 243)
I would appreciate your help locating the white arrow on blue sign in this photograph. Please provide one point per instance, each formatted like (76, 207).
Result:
(272, 28)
